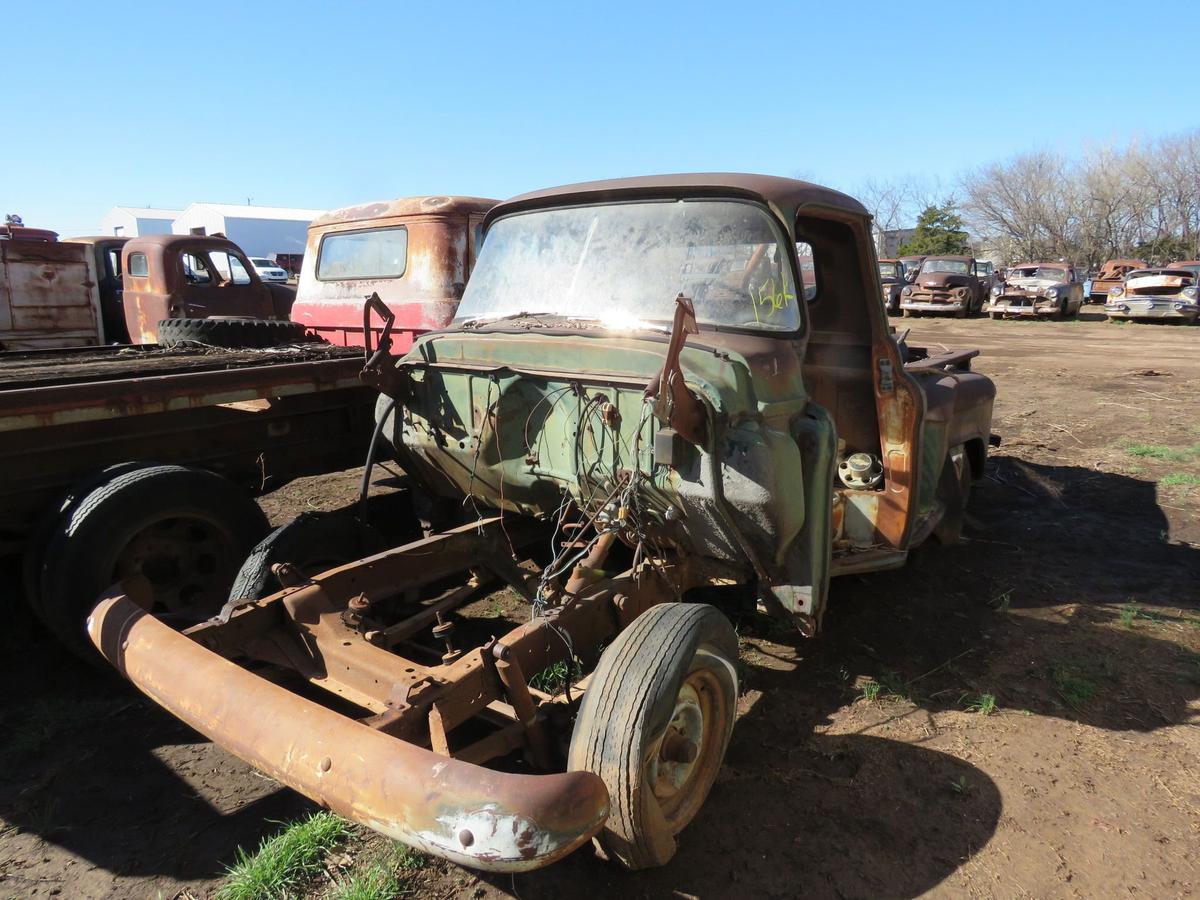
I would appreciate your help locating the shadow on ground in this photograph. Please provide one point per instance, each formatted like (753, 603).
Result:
(1026, 608)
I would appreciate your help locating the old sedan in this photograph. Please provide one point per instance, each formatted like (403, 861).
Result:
(1155, 295)
(1038, 290)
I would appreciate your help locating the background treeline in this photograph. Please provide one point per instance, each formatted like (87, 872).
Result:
(1141, 200)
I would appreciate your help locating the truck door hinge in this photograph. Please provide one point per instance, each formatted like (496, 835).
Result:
(887, 383)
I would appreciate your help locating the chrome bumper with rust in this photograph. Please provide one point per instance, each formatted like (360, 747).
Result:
(466, 813)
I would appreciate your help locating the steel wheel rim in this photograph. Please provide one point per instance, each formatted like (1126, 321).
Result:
(700, 716)
(187, 558)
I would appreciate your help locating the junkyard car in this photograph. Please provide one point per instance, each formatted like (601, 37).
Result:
(1038, 290)
(891, 276)
(645, 404)
(912, 265)
(1155, 295)
(1111, 274)
(944, 284)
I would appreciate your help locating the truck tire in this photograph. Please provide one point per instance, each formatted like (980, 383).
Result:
(312, 543)
(230, 332)
(655, 723)
(33, 561)
(184, 530)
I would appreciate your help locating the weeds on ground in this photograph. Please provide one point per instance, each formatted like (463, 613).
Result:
(556, 676)
(1180, 479)
(888, 686)
(1001, 602)
(1076, 683)
(1163, 452)
(961, 786)
(284, 861)
(983, 704)
(382, 878)
(1132, 611)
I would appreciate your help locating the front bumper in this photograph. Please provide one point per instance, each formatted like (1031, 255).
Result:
(1029, 308)
(470, 814)
(1151, 308)
(950, 306)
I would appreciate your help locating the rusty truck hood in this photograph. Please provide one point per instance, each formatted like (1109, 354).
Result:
(943, 280)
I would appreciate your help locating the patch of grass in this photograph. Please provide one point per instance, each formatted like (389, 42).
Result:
(1132, 611)
(897, 688)
(961, 786)
(1163, 452)
(381, 879)
(284, 861)
(1180, 479)
(983, 704)
(1001, 603)
(1073, 684)
(556, 676)
(870, 691)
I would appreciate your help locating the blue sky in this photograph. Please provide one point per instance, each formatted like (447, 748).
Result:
(326, 104)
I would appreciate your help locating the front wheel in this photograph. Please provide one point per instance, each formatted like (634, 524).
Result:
(654, 725)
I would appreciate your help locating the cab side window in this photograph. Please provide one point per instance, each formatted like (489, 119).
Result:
(196, 270)
(808, 271)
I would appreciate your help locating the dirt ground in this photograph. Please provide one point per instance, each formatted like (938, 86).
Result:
(861, 765)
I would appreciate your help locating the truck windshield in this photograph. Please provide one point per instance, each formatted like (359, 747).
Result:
(889, 270)
(954, 266)
(624, 263)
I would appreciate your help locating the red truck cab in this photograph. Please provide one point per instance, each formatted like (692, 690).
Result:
(416, 253)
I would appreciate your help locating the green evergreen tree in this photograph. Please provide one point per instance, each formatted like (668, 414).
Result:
(939, 232)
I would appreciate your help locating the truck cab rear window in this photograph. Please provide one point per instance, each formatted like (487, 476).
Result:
(137, 265)
(378, 253)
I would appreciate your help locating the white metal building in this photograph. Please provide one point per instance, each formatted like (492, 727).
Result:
(258, 230)
(133, 221)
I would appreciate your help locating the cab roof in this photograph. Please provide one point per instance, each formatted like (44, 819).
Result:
(786, 194)
(404, 207)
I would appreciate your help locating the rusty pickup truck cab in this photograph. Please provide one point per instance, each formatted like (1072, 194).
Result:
(416, 253)
(1168, 294)
(645, 404)
(177, 277)
(1111, 274)
(1038, 291)
(944, 285)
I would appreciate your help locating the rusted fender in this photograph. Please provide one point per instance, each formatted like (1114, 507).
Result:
(466, 813)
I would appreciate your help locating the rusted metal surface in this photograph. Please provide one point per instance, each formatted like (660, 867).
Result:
(257, 417)
(441, 248)
(106, 257)
(48, 295)
(1111, 274)
(198, 289)
(475, 816)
